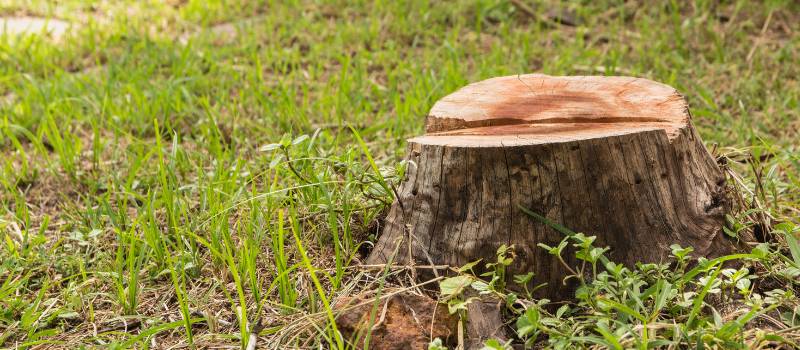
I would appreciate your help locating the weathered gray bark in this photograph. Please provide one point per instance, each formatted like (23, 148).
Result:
(617, 158)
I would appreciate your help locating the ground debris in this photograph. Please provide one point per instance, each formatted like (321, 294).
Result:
(403, 321)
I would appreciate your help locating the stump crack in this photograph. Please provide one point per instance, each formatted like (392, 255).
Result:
(439, 200)
(510, 197)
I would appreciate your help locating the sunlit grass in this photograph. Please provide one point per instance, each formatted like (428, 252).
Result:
(163, 163)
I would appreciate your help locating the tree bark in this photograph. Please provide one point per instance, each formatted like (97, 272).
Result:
(613, 157)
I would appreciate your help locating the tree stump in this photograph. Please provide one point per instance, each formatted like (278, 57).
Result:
(613, 157)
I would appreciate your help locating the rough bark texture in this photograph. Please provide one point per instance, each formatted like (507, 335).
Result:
(613, 157)
(484, 322)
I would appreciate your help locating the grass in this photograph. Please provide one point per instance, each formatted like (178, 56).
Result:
(190, 173)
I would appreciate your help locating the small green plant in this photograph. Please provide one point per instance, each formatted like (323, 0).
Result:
(130, 258)
(65, 144)
(436, 344)
(494, 344)
(622, 305)
(791, 233)
(286, 289)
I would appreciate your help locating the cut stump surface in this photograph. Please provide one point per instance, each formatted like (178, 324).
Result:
(613, 157)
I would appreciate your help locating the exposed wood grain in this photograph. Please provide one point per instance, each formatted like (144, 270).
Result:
(542, 99)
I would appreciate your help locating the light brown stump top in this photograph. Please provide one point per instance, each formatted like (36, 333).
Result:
(535, 108)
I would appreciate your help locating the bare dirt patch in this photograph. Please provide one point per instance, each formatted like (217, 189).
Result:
(54, 28)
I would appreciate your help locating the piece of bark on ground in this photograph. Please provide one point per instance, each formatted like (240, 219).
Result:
(404, 321)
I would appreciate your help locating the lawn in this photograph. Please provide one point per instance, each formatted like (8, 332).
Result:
(210, 174)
